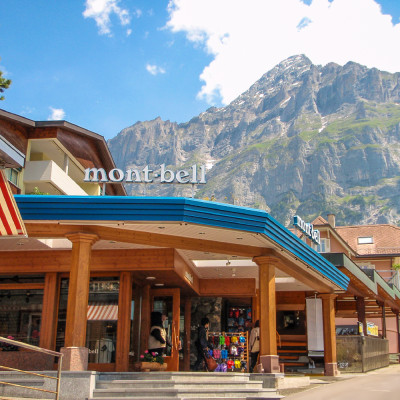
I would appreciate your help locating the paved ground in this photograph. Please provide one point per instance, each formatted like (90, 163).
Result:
(382, 384)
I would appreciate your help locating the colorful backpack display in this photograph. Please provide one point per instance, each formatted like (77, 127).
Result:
(221, 340)
(233, 350)
(230, 364)
(217, 354)
(242, 339)
(234, 339)
(237, 364)
(224, 354)
(227, 340)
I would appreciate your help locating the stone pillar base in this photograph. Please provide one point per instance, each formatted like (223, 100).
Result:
(270, 364)
(331, 369)
(75, 358)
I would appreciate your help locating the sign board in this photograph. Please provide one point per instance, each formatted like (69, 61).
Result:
(193, 175)
(11, 224)
(372, 329)
(315, 326)
(307, 229)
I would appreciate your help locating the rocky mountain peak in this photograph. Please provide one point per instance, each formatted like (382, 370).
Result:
(304, 139)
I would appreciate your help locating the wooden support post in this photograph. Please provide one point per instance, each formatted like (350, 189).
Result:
(328, 311)
(51, 297)
(136, 323)
(398, 331)
(267, 306)
(76, 354)
(383, 321)
(255, 306)
(361, 313)
(124, 322)
(145, 320)
(187, 341)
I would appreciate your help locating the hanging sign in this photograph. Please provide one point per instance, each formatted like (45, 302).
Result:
(372, 329)
(307, 229)
(192, 175)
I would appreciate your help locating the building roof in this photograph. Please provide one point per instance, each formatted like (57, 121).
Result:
(385, 238)
(112, 209)
(319, 221)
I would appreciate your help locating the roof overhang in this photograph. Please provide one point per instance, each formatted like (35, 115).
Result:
(192, 225)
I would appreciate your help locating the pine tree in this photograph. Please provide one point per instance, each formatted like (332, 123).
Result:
(4, 84)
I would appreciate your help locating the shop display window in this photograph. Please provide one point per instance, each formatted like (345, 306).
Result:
(291, 322)
(238, 318)
(21, 315)
(102, 318)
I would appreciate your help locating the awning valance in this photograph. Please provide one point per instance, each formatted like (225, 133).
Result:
(102, 312)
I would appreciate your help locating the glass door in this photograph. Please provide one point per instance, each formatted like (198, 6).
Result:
(167, 301)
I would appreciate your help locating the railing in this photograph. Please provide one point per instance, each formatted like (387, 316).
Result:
(390, 276)
(39, 350)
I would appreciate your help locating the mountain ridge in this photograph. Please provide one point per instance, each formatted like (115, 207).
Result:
(303, 139)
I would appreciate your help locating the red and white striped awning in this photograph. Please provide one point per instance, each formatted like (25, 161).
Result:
(102, 312)
(10, 219)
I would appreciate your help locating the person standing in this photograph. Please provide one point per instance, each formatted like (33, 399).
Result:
(158, 335)
(202, 343)
(254, 343)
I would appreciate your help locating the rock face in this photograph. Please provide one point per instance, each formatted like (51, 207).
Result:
(304, 139)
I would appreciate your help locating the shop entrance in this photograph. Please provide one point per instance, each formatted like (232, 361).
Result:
(167, 301)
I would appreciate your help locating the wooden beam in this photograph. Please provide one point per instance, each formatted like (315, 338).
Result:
(55, 230)
(361, 313)
(124, 322)
(21, 286)
(228, 287)
(101, 261)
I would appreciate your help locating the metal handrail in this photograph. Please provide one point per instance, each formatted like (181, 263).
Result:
(39, 350)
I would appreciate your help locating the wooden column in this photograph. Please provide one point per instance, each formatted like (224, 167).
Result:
(328, 311)
(383, 321)
(187, 341)
(267, 306)
(145, 320)
(398, 331)
(136, 323)
(124, 322)
(76, 357)
(361, 313)
(51, 297)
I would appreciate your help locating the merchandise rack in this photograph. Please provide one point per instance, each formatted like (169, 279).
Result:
(245, 346)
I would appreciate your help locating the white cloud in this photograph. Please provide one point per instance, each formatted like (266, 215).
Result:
(56, 114)
(101, 10)
(128, 32)
(249, 37)
(155, 69)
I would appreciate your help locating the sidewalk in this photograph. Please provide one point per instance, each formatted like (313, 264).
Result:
(326, 380)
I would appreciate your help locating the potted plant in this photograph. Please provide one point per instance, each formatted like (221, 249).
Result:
(151, 362)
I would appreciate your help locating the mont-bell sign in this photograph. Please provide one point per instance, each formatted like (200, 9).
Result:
(193, 175)
(307, 229)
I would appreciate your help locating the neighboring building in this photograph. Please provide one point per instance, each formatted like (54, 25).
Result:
(374, 249)
(51, 156)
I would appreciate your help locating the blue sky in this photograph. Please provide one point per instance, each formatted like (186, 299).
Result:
(105, 64)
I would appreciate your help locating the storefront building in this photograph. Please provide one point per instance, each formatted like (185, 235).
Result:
(92, 268)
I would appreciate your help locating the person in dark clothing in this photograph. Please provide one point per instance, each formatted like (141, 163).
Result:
(158, 340)
(201, 343)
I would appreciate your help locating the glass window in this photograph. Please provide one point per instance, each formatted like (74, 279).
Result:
(365, 240)
(324, 247)
(21, 314)
(12, 175)
(102, 317)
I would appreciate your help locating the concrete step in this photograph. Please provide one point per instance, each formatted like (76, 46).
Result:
(170, 393)
(176, 376)
(180, 384)
(275, 397)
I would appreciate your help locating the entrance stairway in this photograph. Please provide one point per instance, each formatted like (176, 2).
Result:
(181, 386)
(292, 355)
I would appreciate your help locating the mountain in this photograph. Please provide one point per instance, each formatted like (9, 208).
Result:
(304, 139)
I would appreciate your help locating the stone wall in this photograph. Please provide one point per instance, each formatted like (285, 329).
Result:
(210, 307)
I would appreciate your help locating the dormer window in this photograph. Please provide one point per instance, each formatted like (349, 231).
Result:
(365, 240)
